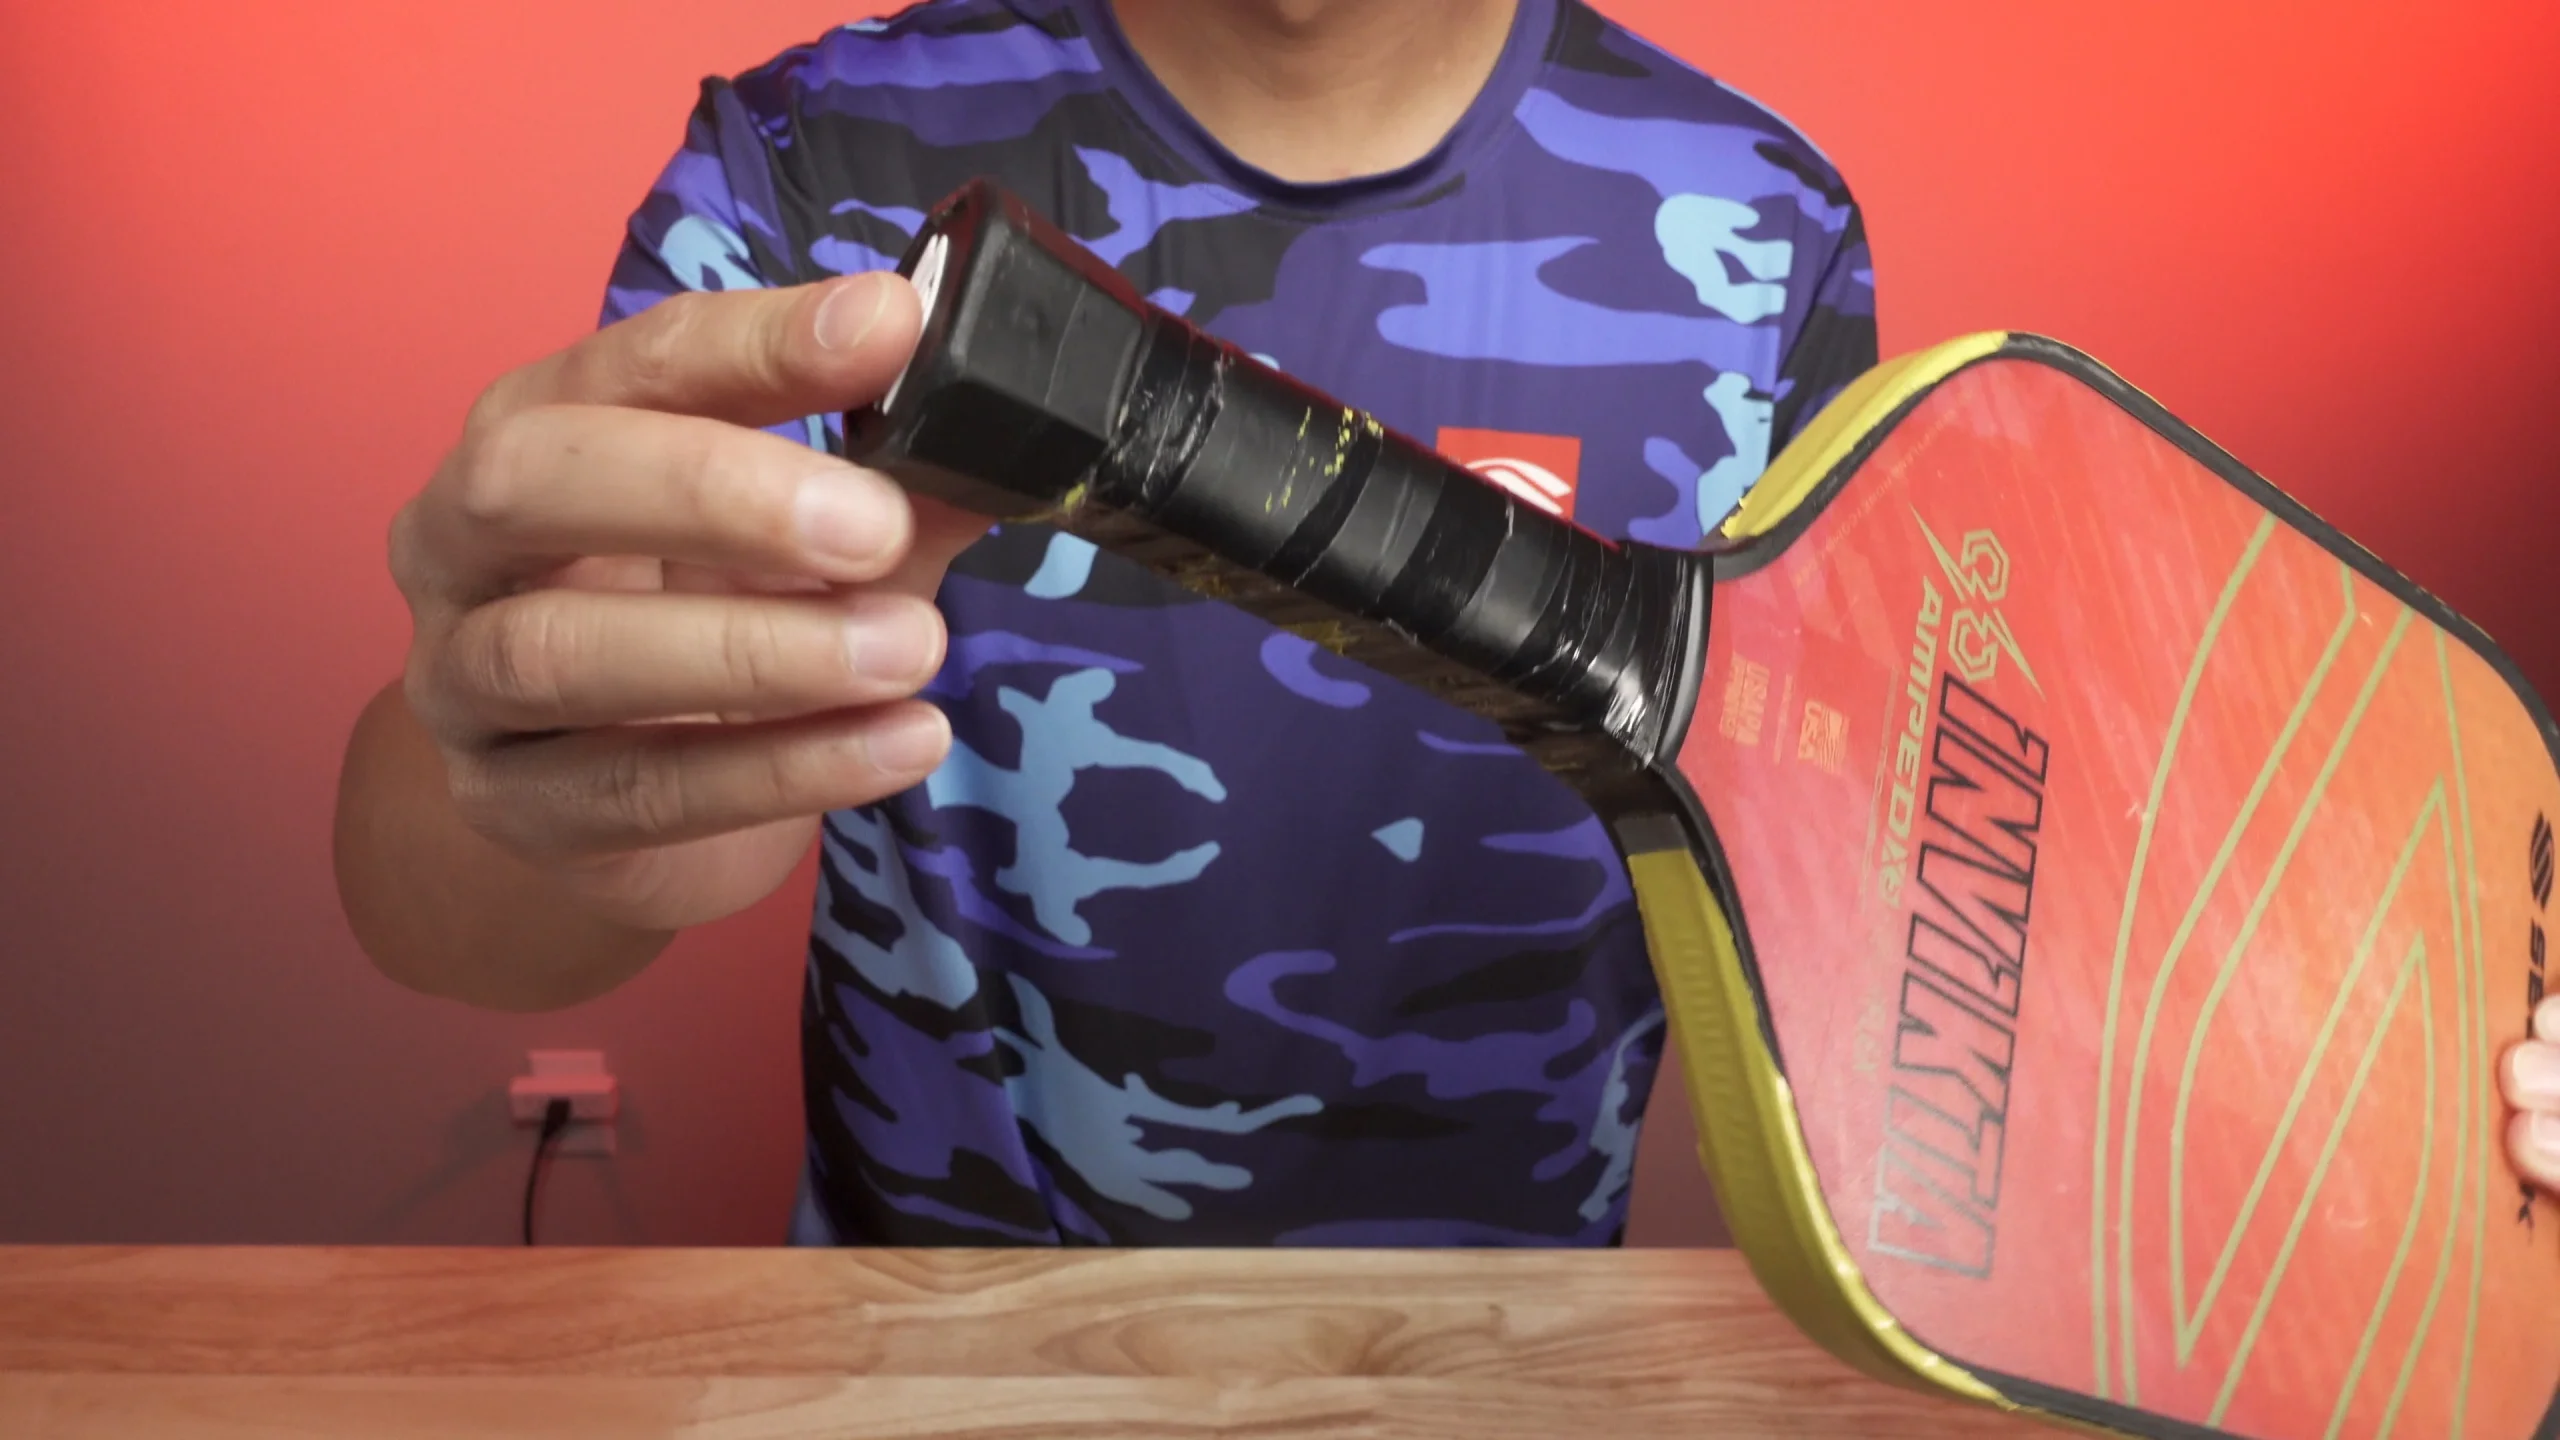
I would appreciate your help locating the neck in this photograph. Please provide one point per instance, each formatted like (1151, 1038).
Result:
(1321, 90)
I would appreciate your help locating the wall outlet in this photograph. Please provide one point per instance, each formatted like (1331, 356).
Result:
(579, 1077)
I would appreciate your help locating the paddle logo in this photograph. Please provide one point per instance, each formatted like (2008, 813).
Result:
(1977, 634)
(1964, 806)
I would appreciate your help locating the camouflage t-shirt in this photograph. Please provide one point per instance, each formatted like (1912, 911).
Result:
(1203, 935)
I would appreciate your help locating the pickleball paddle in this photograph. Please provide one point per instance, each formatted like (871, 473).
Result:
(2089, 893)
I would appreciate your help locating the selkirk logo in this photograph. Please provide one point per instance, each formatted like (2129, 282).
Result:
(1543, 470)
(1977, 634)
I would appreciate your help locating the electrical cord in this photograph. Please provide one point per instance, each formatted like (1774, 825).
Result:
(555, 1118)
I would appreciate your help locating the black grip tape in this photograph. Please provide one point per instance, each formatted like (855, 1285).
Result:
(1044, 387)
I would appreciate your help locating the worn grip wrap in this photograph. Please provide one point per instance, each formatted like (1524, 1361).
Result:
(1045, 388)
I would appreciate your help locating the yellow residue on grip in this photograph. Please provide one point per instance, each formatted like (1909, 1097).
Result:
(1332, 635)
(1289, 484)
(1067, 504)
(1348, 424)
(1342, 442)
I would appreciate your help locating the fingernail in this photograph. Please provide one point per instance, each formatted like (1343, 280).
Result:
(2543, 1134)
(848, 314)
(2546, 1020)
(843, 519)
(2537, 1075)
(911, 744)
(890, 643)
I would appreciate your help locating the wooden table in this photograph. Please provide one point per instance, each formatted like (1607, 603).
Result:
(146, 1342)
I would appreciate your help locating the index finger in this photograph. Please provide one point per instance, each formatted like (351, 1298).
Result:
(749, 357)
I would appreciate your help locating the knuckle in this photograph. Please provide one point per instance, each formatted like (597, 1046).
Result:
(780, 349)
(642, 791)
(793, 785)
(505, 794)
(402, 554)
(493, 404)
(527, 798)
(653, 353)
(782, 781)
(753, 651)
(490, 472)
(517, 658)
(454, 719)
(480, 794)
(507, 799)
(722, 488)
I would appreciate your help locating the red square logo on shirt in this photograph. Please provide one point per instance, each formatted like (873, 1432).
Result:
(1543, 470)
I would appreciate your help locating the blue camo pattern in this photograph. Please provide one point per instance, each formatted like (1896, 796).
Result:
(1204, 935)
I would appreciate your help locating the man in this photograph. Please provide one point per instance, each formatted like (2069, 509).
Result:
(1138, 921)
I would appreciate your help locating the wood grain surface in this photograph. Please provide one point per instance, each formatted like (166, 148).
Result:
(786, 1343)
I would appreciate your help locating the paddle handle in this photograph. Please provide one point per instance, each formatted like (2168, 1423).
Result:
(1045, 388)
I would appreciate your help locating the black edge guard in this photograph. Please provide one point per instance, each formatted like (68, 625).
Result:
(1045, 388)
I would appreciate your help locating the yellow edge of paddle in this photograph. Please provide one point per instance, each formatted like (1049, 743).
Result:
(1752, 1144)
(1828, 438)
(1750, 1139)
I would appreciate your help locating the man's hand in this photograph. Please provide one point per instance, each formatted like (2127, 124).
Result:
(654, 642)
(2530, 1076)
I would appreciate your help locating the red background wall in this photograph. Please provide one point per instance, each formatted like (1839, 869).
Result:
(255, 258)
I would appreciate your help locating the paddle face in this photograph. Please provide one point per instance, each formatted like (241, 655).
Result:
(2135, 884)
(2140, 893)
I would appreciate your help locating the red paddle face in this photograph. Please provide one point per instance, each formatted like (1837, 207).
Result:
(2142, 895)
